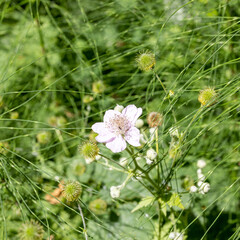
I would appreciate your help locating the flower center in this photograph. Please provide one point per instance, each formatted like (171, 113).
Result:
(119, 124)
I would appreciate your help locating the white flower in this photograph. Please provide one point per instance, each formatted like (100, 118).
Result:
(201, 163)
(151, 154)
(149, 161)
(176, 236)
(139, 123)
(204, 188)
(123, 161)
(115, 191)
(193, 189)
(119, 108)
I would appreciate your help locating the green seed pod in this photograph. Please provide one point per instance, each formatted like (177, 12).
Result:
(44, 137)
(89, 150)
(31, 230)
(98, 87)
(98, 206)
(72, 191)
(207, 96)
(146, 60)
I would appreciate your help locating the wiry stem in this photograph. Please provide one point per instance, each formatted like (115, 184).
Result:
(83, 220)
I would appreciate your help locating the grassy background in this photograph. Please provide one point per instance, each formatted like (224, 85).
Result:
(52, 55)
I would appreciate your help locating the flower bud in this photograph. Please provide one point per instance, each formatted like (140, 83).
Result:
(115, 191)
(98, 206)
(119, 108)
(89, 150)
(204, 187)
(154, 119)
(139, 123)
(193, 189)
(151, 154)
(207, 96)
(31, 230)
(146, 61)
(201, 163)
(72, 191)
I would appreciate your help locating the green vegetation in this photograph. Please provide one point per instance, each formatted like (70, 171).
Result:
(64, 64)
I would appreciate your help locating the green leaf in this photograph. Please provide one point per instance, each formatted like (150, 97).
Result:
(144, 203)
(175, 200)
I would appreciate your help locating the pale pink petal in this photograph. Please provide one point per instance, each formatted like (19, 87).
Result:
(99, 128)
(110, 114)
(132, 113)
(117, 145)
(104, 134)
(133, 137)
(103, 138)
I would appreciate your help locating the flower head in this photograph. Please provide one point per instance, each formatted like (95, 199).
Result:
(31, 230)
(72, 190)
(146, 60)
(207, 96)
(118, 128)
(154, 119)
(89, 150)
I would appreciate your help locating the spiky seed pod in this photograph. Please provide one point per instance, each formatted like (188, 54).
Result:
(154, 119)
(207, 97)
(72, 191)
(98, 87)
(146, 60)
(98, 206)
(31, 230)
(89, 150)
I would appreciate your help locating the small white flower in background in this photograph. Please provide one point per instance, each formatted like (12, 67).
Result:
(123, 161)
(139, 123)
(204, 188)
(173, 132)
(176, 236)
(148, 161)
(201, 163)
(151, 154)
(193, 189)
(115, 191)
(119, 108)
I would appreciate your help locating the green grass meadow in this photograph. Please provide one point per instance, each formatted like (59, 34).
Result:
(64, 63)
